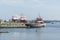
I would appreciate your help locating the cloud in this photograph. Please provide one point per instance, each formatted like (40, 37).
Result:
(54, 7)
(11, 2)
(24, 3)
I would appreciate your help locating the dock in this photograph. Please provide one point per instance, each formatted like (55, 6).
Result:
(12, 25)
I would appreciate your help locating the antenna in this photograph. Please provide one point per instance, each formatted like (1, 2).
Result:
(39, 15)
(21, 14)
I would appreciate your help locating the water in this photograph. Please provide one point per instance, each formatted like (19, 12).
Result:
(51, 32)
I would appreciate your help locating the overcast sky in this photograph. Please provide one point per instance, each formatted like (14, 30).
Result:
(48, 9)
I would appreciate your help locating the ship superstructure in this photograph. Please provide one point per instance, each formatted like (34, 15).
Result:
(19, 19)
(15, 18)
(23, 19)
(37, 23)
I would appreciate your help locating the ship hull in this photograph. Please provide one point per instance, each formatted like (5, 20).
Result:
(35, 25)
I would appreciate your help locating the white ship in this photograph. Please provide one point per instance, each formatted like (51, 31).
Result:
(37, 23)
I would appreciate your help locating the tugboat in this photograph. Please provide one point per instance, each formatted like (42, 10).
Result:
(38, 23)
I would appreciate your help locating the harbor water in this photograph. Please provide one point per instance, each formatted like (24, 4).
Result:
(50, 32)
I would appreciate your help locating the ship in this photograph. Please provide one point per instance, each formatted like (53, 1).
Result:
(38, 23)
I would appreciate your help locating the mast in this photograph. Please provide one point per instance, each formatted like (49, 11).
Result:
(39, 15)
(21, 14)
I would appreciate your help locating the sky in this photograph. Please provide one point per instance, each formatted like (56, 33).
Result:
(48, 9)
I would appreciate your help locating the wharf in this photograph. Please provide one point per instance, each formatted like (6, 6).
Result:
(12, 25)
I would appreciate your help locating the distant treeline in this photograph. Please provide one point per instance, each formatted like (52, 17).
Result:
(49, 21)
